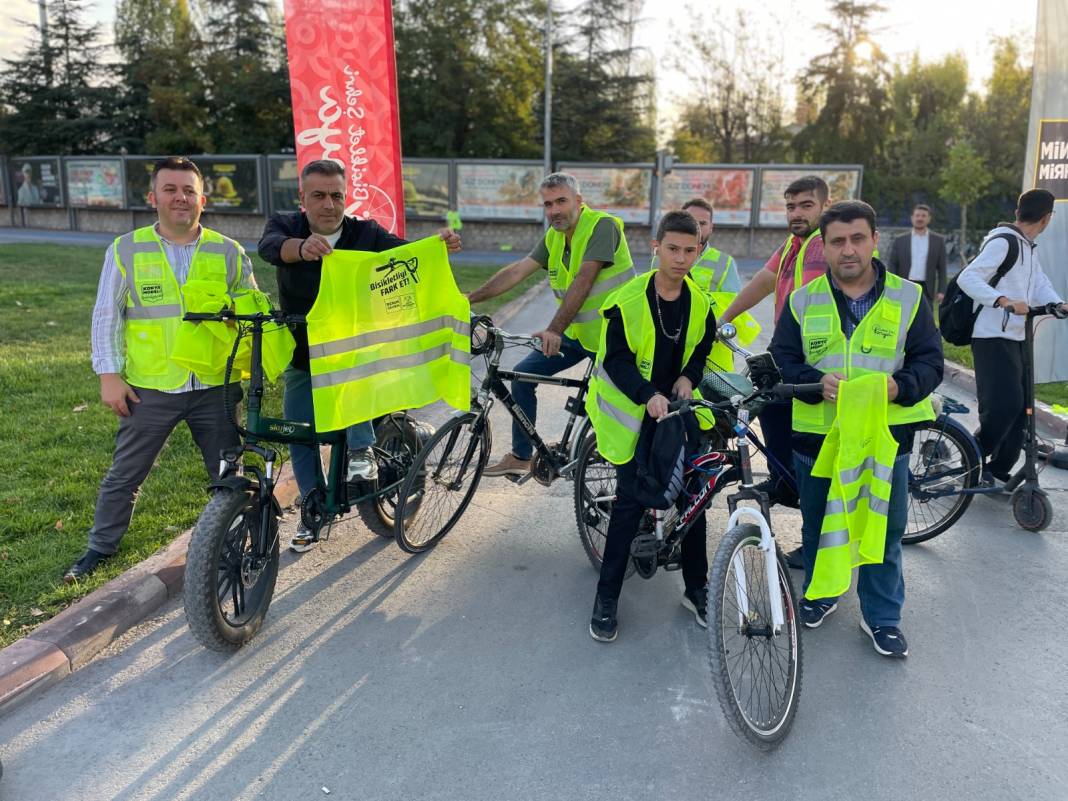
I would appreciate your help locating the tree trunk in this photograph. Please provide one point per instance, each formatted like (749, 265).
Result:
(963, 234)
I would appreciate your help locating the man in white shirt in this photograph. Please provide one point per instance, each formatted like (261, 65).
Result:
(921, 256)
(999, 355)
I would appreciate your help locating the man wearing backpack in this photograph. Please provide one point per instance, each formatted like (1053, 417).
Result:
(999, 354)
(658, 332)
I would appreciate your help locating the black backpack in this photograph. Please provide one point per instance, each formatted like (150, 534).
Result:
(956, 317)
(661, 456)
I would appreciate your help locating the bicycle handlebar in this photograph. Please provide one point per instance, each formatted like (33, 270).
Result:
(272, 316)
(1053, 309)
(777, 392)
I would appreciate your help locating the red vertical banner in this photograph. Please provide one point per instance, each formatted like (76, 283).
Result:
(343, 74)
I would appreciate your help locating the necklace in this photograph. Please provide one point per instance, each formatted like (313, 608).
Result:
(660, 316)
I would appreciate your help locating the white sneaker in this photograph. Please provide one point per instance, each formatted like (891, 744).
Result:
(362, 466)
(302, 540)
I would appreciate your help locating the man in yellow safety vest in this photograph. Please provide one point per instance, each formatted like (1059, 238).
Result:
(659, 331)
(855, 322)
(139, 306)
(714, 270)
(586, 257)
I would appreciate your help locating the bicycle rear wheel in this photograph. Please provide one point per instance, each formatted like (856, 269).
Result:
(441, 482)
(942, 464)
(595, 489)
(756, 672)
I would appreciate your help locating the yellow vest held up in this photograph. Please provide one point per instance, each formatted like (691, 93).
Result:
(388, 331)
(587, 324)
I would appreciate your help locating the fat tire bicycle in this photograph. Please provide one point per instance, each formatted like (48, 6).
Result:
(232, 561)
(445, 474)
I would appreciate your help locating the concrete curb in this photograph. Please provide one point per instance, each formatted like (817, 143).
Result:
(965, 379)
(56, 648)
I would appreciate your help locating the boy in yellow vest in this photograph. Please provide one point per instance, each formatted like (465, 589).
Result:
(854, 321)
(138, 310)
(659, 330)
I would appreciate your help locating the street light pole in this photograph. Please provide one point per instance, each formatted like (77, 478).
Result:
(548, 125)
(42, 15)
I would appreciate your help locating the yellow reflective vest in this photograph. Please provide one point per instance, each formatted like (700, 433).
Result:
(155, 303)
(858, 456)
(616, 419)
(388, 331)
(587, 324)
(877, 345)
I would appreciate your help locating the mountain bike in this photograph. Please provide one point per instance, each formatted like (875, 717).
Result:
(232, 562)
(444, 476)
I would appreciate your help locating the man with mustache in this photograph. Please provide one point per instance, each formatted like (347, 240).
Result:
(139, 307)
(586, 256)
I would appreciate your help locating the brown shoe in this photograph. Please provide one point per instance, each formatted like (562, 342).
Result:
(508, 466)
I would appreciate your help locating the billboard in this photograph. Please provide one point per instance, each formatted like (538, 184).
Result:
(36, 181)
(622, 191)
(283, 180)
(499, 191)
(343, 82)
(844, 184)
(230, 184)
(728, 189)
(426, 188)
(95, 183)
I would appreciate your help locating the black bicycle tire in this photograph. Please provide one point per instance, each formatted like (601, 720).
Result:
(200, 593)
(583, 459)
(408, 488)
(373, 511)
(971, 477)
(718, 586)
(1020, 514)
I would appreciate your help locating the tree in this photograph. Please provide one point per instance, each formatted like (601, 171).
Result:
(964, 179)
(733, 110)
(52, 93)
(849, 87)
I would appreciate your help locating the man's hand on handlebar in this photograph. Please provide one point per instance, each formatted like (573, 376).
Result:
(657, 406)
(114, 392)
(550, 341)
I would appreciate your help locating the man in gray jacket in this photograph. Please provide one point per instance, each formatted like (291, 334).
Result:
(999, 355)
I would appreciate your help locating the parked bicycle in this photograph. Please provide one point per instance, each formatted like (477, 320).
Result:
(446, 473)
(232, 563)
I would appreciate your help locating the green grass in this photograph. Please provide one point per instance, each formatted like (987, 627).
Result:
(1054, 392)
(57, 437)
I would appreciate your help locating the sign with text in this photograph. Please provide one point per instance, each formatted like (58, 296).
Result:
(95, 183)
(730, 191)
(622, 191)
(1051, 154)
(499, 191)
(343, 78)
(844, 184)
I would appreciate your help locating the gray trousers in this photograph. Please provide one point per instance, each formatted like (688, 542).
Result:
(141, 437)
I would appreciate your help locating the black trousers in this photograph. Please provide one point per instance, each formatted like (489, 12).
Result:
(999, 384)
(623, 527)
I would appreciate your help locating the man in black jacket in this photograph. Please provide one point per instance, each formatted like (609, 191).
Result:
(857, 284)
(295, 243)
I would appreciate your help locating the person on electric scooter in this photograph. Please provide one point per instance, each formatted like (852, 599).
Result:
(1000, 354)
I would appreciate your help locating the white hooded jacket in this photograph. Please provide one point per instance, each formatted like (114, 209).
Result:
(1024, 281)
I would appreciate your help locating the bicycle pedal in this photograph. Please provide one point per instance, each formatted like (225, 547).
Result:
(645, 546)
(520, 480)
(672, 566)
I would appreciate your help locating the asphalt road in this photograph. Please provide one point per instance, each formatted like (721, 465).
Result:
(468, 673)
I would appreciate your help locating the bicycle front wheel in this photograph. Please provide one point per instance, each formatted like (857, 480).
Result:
(441, 482)
(756, 671)
(396, 444)
(941, 466)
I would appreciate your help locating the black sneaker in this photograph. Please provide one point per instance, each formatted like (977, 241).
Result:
(813, 613)
(603, 625)
(697, 602)
(795, 558)
(887, 640)
(89, 562)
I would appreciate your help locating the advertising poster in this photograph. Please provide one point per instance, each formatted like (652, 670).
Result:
(94, 183)
(730, 191)
(284, 181)
(499, 191)
(622, 191)
(139, 180)
(426, 189)
(36, 182)
(844, 185)
(1051, 158)
(230, 184)
(343, 81)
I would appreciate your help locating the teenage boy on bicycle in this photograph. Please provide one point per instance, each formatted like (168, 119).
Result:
(659, 331)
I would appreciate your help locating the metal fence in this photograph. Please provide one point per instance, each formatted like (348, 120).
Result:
(744, 195)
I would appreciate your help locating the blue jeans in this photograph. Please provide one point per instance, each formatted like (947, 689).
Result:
(297, 406)
(881, 588)
(536, 362)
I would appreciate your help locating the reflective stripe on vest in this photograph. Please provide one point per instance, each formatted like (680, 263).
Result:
(616, 419)
(587, 323)
(877, 345)
(154, 304)
(799, 262)
(388, 331)
(858, 456)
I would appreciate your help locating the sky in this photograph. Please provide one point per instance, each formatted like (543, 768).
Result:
(933, 29)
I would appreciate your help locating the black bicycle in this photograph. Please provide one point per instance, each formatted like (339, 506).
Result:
(232, 563)
(446, 473)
